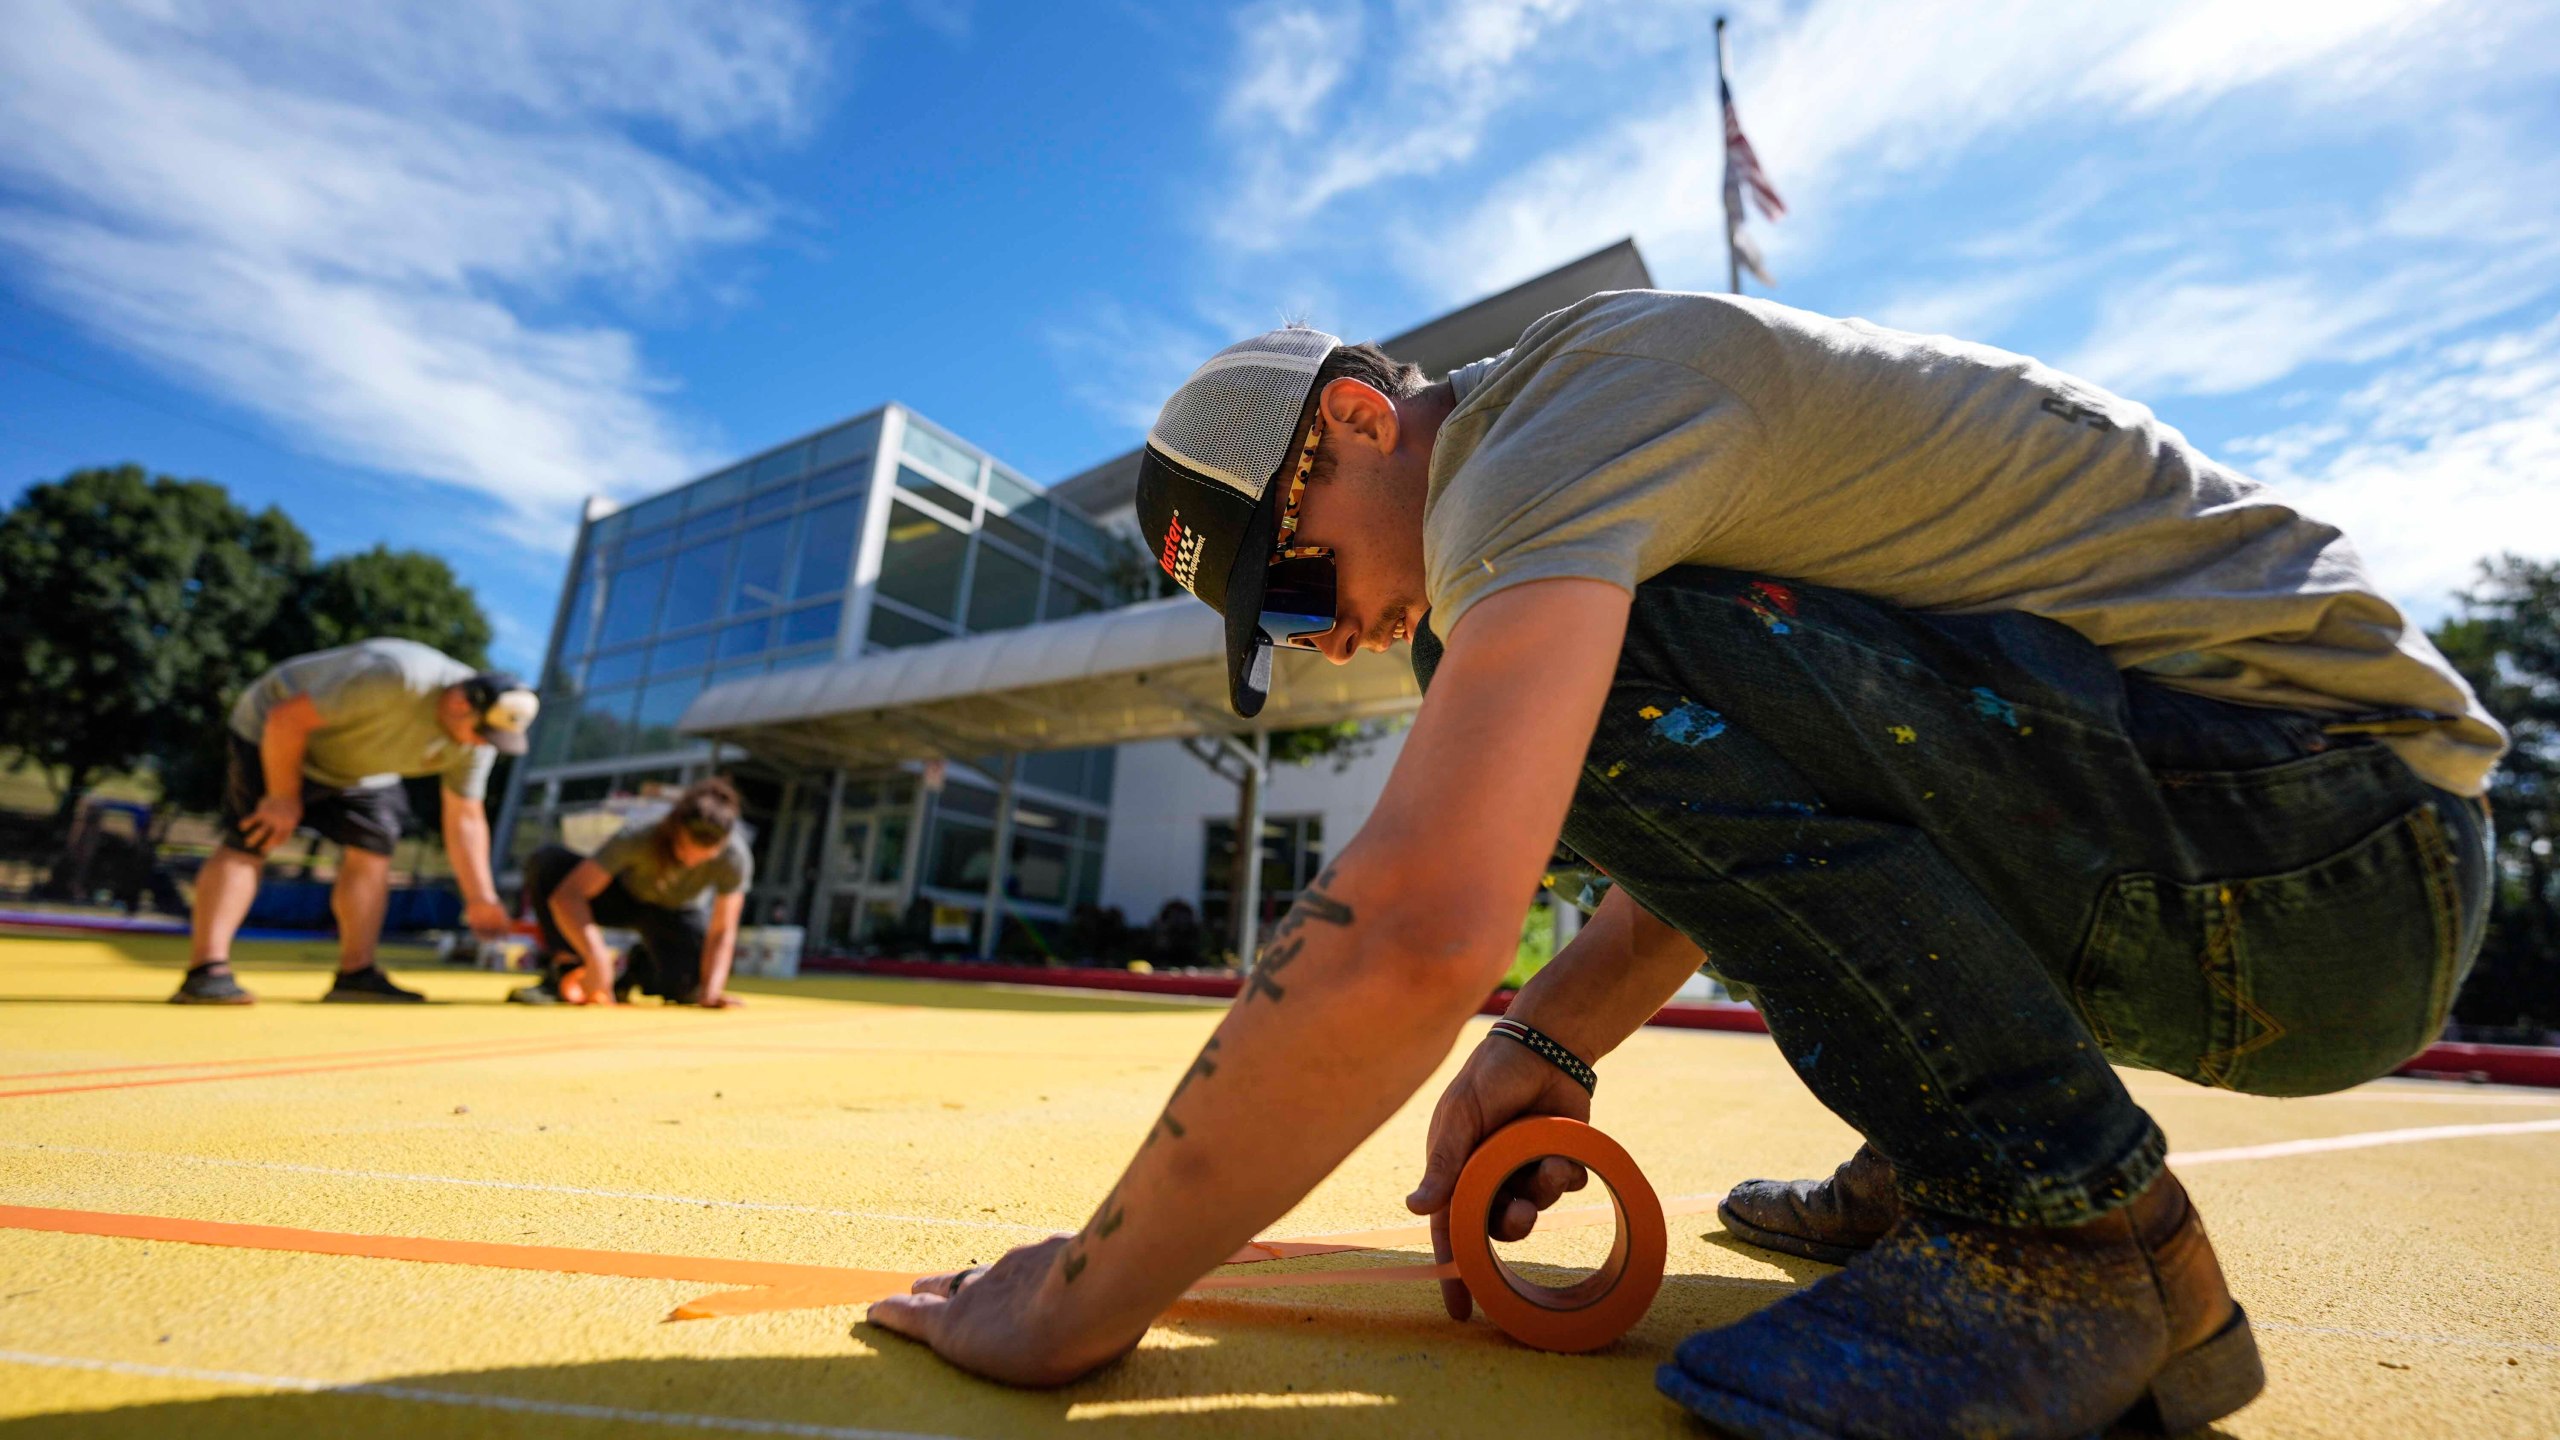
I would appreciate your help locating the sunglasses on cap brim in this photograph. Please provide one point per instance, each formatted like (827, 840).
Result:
(1298, 600)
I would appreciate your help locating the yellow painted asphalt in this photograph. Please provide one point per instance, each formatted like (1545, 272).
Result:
(2402, 1279)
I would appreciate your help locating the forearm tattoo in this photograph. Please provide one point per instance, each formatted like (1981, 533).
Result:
(1286, 942)
(1077, 1254)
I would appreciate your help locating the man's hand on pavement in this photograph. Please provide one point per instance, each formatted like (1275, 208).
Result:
(1501, 1082)
(989, 1320)
(273, 822)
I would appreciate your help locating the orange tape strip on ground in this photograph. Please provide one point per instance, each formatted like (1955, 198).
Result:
(369, 1059)
(773, 1286)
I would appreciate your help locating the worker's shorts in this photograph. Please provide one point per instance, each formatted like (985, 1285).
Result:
(366, 818)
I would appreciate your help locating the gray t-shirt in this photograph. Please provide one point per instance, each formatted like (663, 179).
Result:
(1641, 430)
(377, 701)
(634, 857)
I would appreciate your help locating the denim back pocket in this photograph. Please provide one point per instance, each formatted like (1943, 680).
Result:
(2295, 983)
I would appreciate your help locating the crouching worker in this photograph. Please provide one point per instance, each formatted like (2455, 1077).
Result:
(1965, 713)
(681, 881)
(322, 742)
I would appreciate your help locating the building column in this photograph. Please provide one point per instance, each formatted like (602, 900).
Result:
(822, 902)
(1257, 781)
(992, 922)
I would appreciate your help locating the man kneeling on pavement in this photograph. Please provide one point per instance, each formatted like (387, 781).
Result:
(322, 742)
(1967, 717)
(680, 880)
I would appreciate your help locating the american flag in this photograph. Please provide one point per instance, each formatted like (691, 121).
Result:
(1742, 174)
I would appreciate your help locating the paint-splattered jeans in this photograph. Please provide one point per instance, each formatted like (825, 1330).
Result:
(1961, 862)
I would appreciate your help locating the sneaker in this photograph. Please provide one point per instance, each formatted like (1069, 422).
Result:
(205, 985)
(369, 986)
(545, 993)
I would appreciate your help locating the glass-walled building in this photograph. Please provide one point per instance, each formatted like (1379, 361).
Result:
(878, 533)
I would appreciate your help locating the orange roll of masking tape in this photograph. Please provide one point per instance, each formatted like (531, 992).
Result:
(1604, 1304)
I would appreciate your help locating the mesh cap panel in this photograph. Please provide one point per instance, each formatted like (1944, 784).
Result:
(1234, 420)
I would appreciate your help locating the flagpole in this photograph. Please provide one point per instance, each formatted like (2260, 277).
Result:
(1732, 261)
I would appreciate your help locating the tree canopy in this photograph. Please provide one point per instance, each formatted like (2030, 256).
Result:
(130, 606)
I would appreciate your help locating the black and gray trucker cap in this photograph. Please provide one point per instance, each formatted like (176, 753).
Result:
(1210, 486)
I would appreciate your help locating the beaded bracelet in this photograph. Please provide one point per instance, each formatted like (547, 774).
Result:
(1548, 1050)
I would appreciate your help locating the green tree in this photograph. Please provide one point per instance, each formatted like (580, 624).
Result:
(130, 607)
(406, 594)
(2506, 642)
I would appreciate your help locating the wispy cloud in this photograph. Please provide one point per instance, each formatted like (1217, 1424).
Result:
(1851, 99)
(2434, 462)
(1123, 362)
(1442, 70)
(358, 220)
(1290, 58)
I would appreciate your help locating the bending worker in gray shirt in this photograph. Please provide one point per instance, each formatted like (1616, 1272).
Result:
(322, 741)
(1959, 712)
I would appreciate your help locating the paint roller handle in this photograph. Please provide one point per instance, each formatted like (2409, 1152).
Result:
(1501, 1082)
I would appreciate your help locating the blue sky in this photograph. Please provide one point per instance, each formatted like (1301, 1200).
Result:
(429, 273)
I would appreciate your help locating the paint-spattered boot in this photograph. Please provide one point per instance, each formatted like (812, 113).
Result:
(1950, 1327)
(1827, 1220)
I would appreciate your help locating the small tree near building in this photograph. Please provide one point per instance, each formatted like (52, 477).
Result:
(2506, 642)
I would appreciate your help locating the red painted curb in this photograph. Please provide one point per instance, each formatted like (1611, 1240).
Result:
(2496, 1064)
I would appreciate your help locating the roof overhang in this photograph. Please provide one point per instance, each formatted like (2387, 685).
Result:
(1147, 672)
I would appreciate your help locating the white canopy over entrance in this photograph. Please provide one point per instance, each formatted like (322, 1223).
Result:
(1147, 672)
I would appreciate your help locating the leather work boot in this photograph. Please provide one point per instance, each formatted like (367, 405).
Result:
(1827, 1220)
(1953, 1327)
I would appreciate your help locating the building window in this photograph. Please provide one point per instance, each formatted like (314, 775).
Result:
(889, 857)
(782, 464)
(671, 656)
(920, 564)
(747, 637)
(1066, 600)
(1003, 592)
(956, 465)
(826, 548)
(1038, 871)
(762, 552)
(839, 478)
(810, 624)
(962, 853)
(1292, 853)
(660, 510)
(603, 725)
(579, 623)
(631, 607)
(617, 667)
(709, 522)
(893, 631)
(661, 705)
(694, 584)
(845, 442)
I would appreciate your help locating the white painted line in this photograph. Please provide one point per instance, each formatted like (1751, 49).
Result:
(2365, 1141)
(512, 1404)
(2378, 1092)
(696, 1201)
(1201, 1404)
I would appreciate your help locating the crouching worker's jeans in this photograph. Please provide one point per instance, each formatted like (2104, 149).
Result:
(1961, 863)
